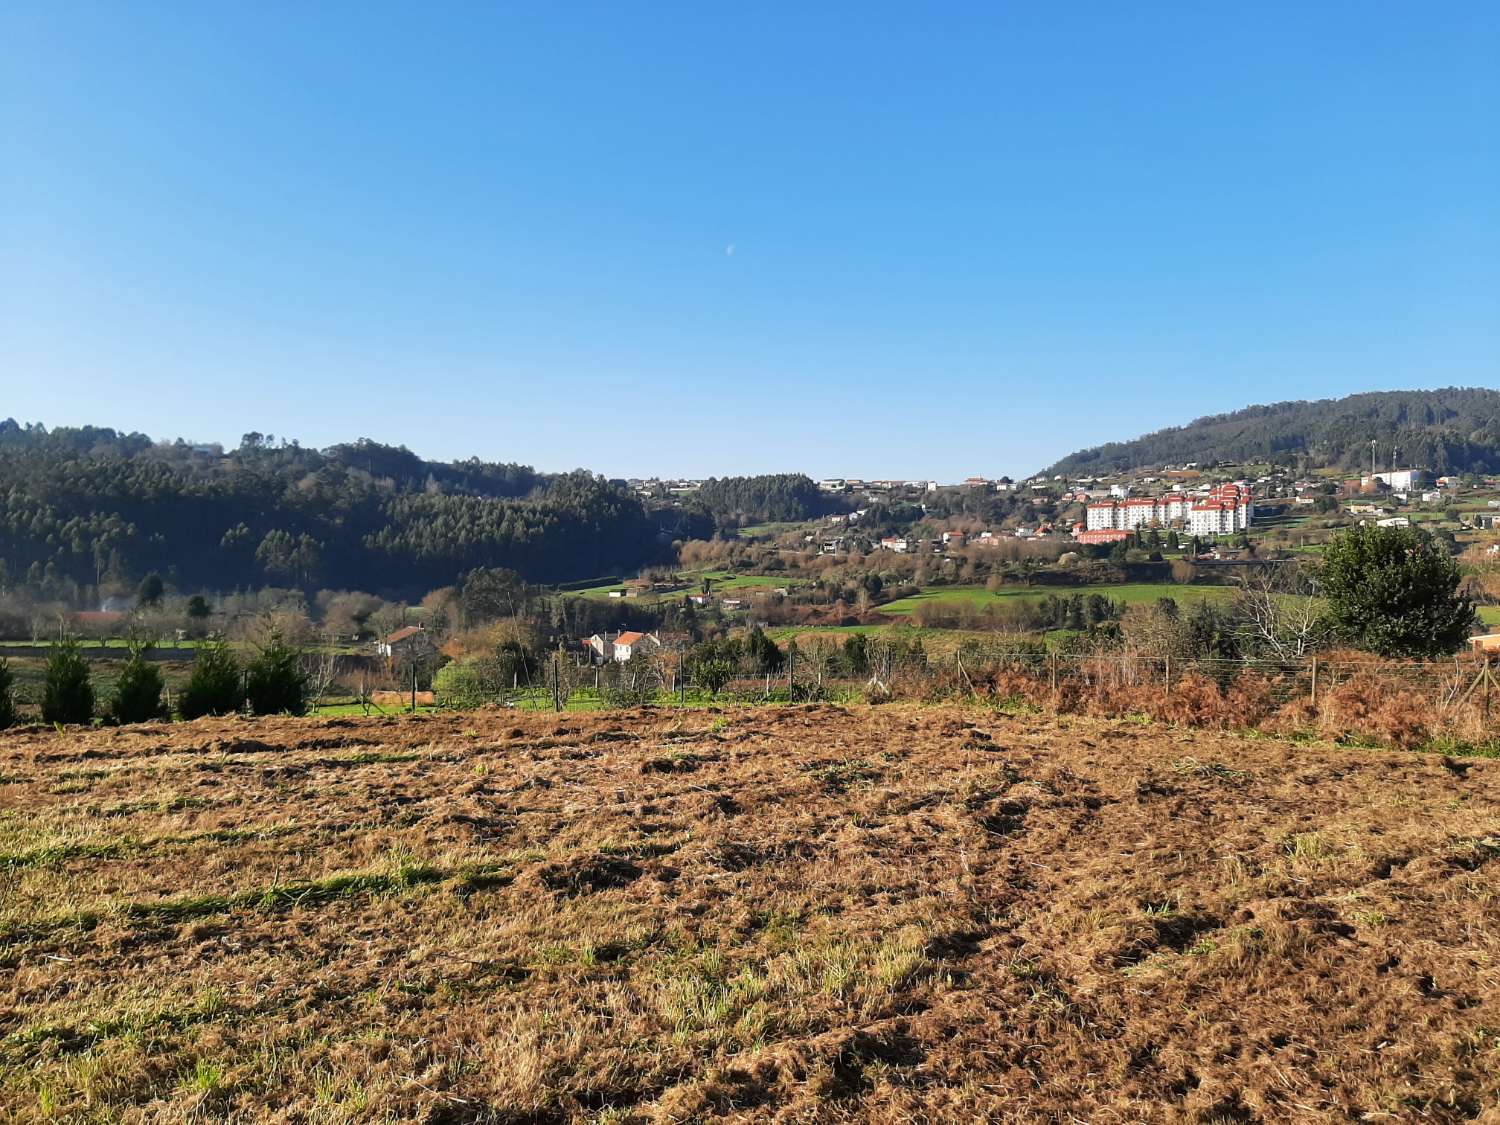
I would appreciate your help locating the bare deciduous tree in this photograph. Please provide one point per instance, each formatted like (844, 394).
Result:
(321, 665)
(1280, 613)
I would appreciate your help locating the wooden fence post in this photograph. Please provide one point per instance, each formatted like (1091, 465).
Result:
(1052, 669)
(1314, 696)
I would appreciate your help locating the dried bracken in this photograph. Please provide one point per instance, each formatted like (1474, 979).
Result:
(802, 913)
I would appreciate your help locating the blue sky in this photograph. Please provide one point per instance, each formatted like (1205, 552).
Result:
(863, 239)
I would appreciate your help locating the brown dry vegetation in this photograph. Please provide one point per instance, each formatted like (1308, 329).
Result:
(808, 913)
(1363, 700)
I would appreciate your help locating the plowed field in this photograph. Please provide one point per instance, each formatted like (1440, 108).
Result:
(801, 913)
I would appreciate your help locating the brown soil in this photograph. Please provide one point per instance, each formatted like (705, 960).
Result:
(801, 914)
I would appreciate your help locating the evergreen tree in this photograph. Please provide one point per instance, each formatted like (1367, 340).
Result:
(275, 683)
(67, 693)
(764, 654)
(137, 694)
(215, 687)
(151, 591)
(1394, 591)
(857, 653)
(7, 695)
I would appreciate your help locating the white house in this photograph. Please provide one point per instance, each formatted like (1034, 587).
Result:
(621, 647)
(628, 644)
(410, 645)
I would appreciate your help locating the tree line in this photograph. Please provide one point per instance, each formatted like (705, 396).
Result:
(1452, 430)
(93, 507)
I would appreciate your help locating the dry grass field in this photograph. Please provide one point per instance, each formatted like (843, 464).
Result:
(797, 914)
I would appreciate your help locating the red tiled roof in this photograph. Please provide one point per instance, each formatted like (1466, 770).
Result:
(402, 634)
(628, 638)
(98, 617)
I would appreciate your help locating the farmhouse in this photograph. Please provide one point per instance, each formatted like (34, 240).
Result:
(628, 644)
(620, 647)
(408, 645)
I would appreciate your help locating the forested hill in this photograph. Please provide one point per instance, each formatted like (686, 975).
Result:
(776, 496)
(1453, 430)
(88, 507)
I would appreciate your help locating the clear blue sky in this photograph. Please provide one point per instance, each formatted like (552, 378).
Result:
(906, 240)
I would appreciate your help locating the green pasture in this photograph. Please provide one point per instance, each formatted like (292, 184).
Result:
(977, 597)
(722, 582)
(763, 530)
(935, 641)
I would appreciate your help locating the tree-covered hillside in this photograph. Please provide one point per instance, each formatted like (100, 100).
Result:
(777, 496)
(1452, 430)
(93, 507)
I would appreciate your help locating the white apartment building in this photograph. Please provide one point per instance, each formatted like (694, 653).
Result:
(1226, 509)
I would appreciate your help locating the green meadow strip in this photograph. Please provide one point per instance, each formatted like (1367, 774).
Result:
(466, 880)
(127, 846)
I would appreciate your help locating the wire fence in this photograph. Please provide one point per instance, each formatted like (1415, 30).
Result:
(1396, 703)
